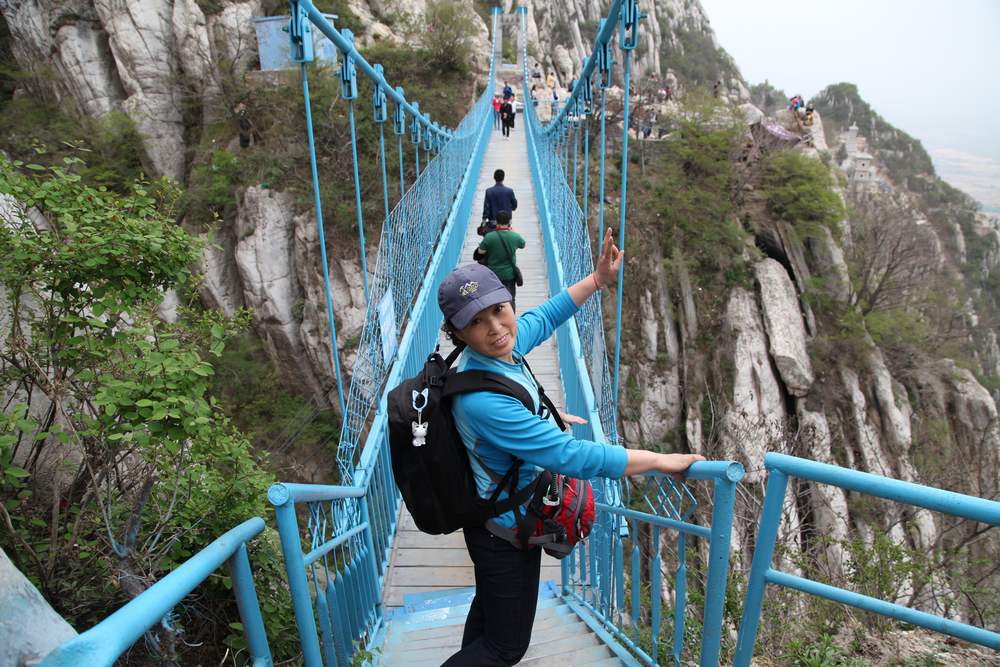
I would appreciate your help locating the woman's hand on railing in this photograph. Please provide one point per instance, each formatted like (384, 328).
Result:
(640, 461)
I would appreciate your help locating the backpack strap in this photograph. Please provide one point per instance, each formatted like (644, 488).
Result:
(544, 398)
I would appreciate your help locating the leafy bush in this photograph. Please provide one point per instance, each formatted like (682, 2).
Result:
(692, 199)
(799, 191)
(134, 468)
(39, 132)
(446, 35)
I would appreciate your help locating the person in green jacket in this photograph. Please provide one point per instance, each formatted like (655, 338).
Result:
(500, 248)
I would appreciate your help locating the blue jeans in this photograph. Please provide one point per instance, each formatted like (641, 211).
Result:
(498, 627)
(496, 119)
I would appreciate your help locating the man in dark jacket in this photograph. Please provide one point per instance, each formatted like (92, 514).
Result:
(507, 116)
(498, 198)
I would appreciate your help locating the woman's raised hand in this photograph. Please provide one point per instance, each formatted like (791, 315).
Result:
(609, 262)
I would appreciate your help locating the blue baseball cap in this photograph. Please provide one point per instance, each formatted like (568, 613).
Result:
(466, 291)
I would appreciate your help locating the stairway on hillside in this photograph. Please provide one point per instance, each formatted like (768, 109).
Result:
(559, 637)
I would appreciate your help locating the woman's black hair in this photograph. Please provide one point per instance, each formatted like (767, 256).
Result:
(449, 330)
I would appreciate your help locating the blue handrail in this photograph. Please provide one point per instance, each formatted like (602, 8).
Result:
(109, 639)
(337, 580)
(594, 577)
(780, 468)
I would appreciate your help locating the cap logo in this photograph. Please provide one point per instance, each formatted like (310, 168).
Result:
(469, 288)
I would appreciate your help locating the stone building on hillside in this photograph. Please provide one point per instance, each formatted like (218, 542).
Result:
(859, 165)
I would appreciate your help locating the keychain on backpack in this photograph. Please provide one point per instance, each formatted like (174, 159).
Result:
(419, 427)
(553, 498)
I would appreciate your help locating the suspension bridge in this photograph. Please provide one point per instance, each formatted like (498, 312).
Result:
(367, 588)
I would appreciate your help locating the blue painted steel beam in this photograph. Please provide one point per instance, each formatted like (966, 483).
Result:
(346, 46)
(109, 639)
(866, 603)
(938, 500)
(604, 36)
(662, 521)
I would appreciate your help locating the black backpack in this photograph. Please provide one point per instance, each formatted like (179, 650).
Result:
(429, 461)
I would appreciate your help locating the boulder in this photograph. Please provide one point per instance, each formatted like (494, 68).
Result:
(140, 35)
(756, 421)
(265, 257)
(29, 627)
(786, 333)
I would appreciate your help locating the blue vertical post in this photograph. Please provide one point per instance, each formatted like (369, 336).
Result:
(654, 586)
(767, 535)
(249, 606)
(604, 80)
(370, 545)
(723, 497)
(291, 548)
(680, 598)
(349, 91)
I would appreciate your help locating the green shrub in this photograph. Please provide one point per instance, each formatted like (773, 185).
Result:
(159, 470)
(799, 191)
(692, 199)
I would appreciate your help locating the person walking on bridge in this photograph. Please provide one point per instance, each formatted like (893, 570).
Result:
(507, 116)
(497, 198)
(500, 248)
(496, 103)
(500, 432)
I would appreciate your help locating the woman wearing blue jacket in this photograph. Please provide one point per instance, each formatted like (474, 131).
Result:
(496, 429)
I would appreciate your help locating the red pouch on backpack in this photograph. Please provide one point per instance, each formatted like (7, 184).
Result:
(566, 513)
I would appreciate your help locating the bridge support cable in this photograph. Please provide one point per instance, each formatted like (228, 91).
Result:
(349, 92)
(304, 19)
(318, 205)
(602, 579)
(337, 574)
(627, 41)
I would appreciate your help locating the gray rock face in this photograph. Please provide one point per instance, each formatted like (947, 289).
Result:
(266, 262)
(562, 34)
(786, 334)
(756, 420)
(29, 628)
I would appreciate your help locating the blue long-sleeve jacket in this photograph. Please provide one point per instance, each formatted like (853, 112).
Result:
(498, 198)
(496, 428)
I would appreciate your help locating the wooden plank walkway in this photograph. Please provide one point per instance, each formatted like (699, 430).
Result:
(422, 562)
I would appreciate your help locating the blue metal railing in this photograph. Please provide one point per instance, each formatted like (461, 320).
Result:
(780, 468)
(337, 580)
(109, 639)
(596, 580)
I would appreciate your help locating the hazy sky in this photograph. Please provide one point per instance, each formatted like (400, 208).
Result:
(929, 67)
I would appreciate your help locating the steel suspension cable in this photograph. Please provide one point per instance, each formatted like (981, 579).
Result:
(576, 146)
(380, 113)
(318, 203)
(349, 92)
(627, 42)
(399, 129)
(600, 195)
